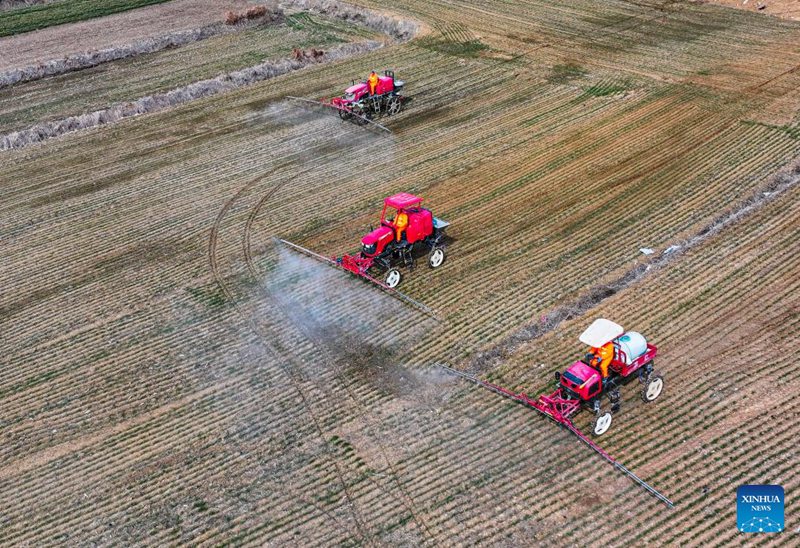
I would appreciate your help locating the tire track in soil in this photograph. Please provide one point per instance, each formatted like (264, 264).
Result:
(218, 278)
(760, 87)
(330, 360)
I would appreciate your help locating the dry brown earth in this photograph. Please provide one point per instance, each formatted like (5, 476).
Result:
(788, 9)
(105, 32)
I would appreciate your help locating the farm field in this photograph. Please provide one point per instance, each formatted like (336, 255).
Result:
(788, 9)
(29, 48)
(43, 15)
(74, 93)
(171, 375)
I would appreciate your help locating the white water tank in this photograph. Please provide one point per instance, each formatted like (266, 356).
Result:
(633, 344)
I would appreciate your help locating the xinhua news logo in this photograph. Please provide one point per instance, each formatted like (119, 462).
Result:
(759, 508)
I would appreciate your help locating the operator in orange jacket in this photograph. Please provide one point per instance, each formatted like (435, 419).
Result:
(400, 223)
(372, 82)
(602, 357)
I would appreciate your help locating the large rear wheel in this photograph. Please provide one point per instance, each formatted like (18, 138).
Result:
(601, 424)
(653, 388)
(395, 106)
(436, 257)
(393, 278)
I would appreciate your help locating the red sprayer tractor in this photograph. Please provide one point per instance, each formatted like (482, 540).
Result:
(582, 386)
(407, 231)
(358, 105)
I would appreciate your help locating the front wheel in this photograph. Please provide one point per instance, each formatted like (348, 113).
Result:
(601, 424)
(653, 388)
(361, 116)
(393, 278)
(436, 257)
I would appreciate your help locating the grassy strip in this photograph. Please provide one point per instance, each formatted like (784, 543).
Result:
(58, 13)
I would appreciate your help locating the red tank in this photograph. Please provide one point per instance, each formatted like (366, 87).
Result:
(385, 85)
(420, 224)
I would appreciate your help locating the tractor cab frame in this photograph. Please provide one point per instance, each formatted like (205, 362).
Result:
(400, 202)
(420, 220)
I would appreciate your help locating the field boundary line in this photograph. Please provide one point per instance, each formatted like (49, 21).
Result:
(89, 59)
(774, 78)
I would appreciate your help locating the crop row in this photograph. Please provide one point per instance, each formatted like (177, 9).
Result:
(521, 166)
(42, 16)
(90, 90)
(651, 40)
(690, 411)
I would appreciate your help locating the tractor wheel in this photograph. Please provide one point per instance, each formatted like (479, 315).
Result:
(344, 115)
(653, 388)
(601, 424)
(436, 257)
(393, 278)
(361, 116)
(394, 107)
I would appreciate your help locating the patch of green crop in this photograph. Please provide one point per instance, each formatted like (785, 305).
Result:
(469, 48)
(252, 58)
(208, 295)
(299, 21)
(66, 11)
(563, 74)
(792, 131)
(201, 505)
(325, 31)
(605, 89)
(32, 382)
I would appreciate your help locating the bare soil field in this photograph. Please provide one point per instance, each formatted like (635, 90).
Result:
(788, 9)
(54, 42)
(171, 375)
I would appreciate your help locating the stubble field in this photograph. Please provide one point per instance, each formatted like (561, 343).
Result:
(171, 375)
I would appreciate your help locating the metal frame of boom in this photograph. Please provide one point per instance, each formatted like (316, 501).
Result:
(553, 408)
(391, 291)
(328, 104)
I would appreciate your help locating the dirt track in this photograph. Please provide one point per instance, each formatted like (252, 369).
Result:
(122, 28)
